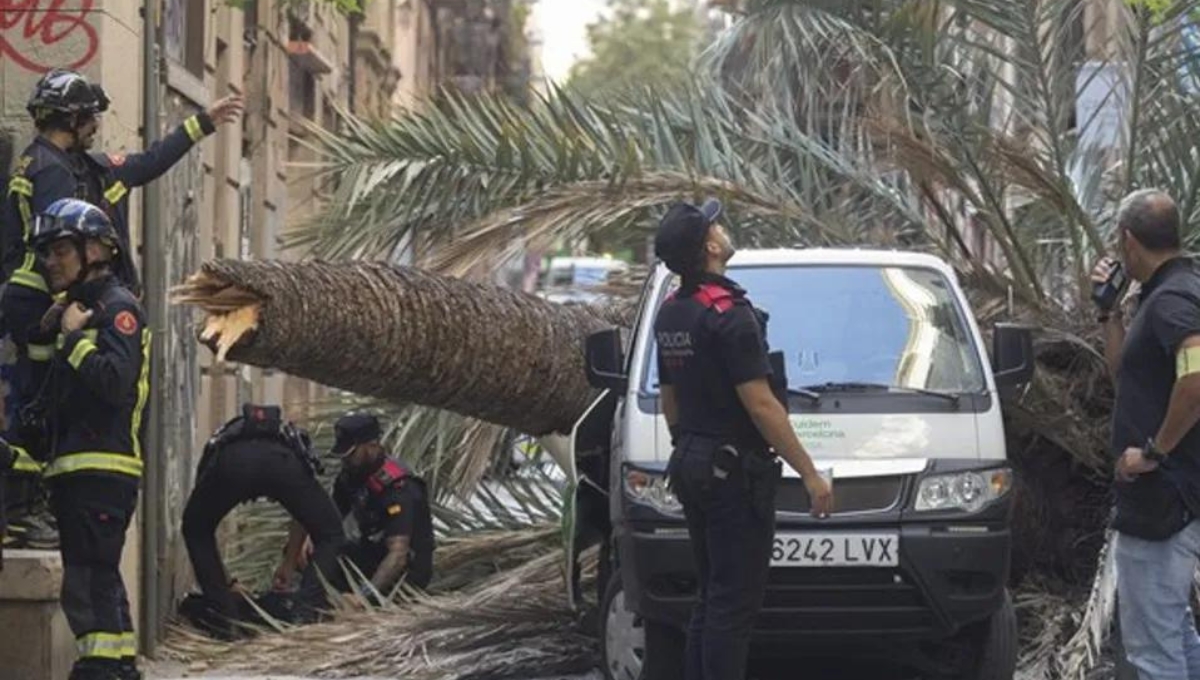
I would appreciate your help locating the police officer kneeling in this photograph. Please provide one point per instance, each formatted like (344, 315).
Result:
(95, 399)
(727, 425)
(390, 506)
(254, 455)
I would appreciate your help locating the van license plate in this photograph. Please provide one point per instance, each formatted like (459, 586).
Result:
(835, 550)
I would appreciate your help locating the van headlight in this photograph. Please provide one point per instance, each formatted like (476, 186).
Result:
(969, 491)
(651, 489)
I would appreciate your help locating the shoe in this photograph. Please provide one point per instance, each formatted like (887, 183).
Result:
(36, 531)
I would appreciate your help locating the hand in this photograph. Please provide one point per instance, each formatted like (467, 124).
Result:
(1133, 463)
(75, 317)
(821, 493)
(53, 317)
(226, 110)
(1103, 269)
(283, 577)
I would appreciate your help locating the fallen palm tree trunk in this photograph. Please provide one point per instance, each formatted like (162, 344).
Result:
(404, 335)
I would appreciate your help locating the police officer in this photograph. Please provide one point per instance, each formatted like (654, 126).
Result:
(66, 108)
(727, 424)
(96, 395)
(390, 506)
(258, 454)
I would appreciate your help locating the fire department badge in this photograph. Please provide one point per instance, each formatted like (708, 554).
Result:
(126, 322)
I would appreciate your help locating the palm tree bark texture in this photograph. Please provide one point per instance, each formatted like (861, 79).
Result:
(404, 335)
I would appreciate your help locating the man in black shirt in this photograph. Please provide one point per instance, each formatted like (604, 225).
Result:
(727, 424)
(1156, 363)
(390, 506)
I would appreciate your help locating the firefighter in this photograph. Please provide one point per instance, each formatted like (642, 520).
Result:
(390, 505)
(254, 455)
(94, 405)
(59, 163)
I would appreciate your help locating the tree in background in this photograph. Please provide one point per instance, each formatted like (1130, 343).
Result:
(637, 43)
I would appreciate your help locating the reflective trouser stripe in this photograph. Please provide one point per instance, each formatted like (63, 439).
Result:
(106, 645)
(120, 463)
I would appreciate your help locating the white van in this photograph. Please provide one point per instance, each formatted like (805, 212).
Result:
(890, 388)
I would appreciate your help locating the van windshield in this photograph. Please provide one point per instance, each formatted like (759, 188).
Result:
(854, 324)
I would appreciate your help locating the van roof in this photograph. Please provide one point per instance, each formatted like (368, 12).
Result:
(868, 256)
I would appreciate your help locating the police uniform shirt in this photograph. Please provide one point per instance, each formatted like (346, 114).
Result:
(391, 512)
(705, 351)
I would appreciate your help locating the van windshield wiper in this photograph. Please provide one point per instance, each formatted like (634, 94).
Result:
(867, 386)
(811, 395)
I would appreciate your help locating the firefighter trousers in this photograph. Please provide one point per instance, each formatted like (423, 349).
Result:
(242, 472)
(93, 513)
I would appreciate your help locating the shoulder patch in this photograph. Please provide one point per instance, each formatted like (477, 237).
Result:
(126, 322)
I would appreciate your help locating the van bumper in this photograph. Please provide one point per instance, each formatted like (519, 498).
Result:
(950, 574)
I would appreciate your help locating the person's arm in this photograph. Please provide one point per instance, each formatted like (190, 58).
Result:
(292, 554)
(399, 506)
(111, 366)
(1175, 321)
(140, 168)
(1111, 320)
(744, 354)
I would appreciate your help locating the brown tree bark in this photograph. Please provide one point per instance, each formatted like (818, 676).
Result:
(404, 335)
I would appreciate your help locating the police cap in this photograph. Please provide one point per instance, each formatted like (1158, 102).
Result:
(353, 429)
(679, 242)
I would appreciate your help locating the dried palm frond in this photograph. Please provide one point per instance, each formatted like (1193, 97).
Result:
(515, 624)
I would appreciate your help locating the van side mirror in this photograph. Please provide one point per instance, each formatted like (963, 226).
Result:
(1012, 355)
(605, 360)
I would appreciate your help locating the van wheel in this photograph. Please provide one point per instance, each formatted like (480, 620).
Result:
(623, 651)
(996, 643)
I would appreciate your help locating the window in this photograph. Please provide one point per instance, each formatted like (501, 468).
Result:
(839, 323)
(183, 34)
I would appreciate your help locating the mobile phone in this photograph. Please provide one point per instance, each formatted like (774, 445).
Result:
(1105, 293)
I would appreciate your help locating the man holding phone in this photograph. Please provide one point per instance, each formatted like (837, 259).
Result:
(1155, 362)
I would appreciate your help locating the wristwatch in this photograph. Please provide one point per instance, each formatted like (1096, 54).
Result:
(1152, 453)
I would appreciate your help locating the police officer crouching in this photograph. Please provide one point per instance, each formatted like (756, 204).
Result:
(727, 426)
(95, 402)
(390, 506)
(258, 454)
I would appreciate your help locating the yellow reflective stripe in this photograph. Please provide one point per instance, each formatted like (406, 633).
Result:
(101, 645)
(41, 352)
(25, 462)
(116, 192)
(1187, 361)
(26, 218)
(88, 334)
(25, 276)
(192, 126)
(121, 463)
(21, 185)
(143, 393)
(82, 348)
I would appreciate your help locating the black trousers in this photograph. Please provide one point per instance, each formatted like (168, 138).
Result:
(729, 504)
(241, 472)
(93, 512)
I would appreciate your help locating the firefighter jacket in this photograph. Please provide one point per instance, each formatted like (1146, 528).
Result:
(44, 173)
(98, 386)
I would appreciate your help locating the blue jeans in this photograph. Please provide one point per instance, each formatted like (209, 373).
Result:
(731, 543)
(1154, 583)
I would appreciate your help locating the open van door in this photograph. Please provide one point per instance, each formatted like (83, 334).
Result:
(585, 512)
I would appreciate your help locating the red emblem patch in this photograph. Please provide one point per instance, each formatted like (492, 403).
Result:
(126, 322)
(116, 159)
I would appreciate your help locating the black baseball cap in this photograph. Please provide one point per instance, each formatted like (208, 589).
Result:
(353, 429)
(681, 234)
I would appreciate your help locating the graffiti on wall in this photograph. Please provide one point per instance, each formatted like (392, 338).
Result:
(38, 35)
